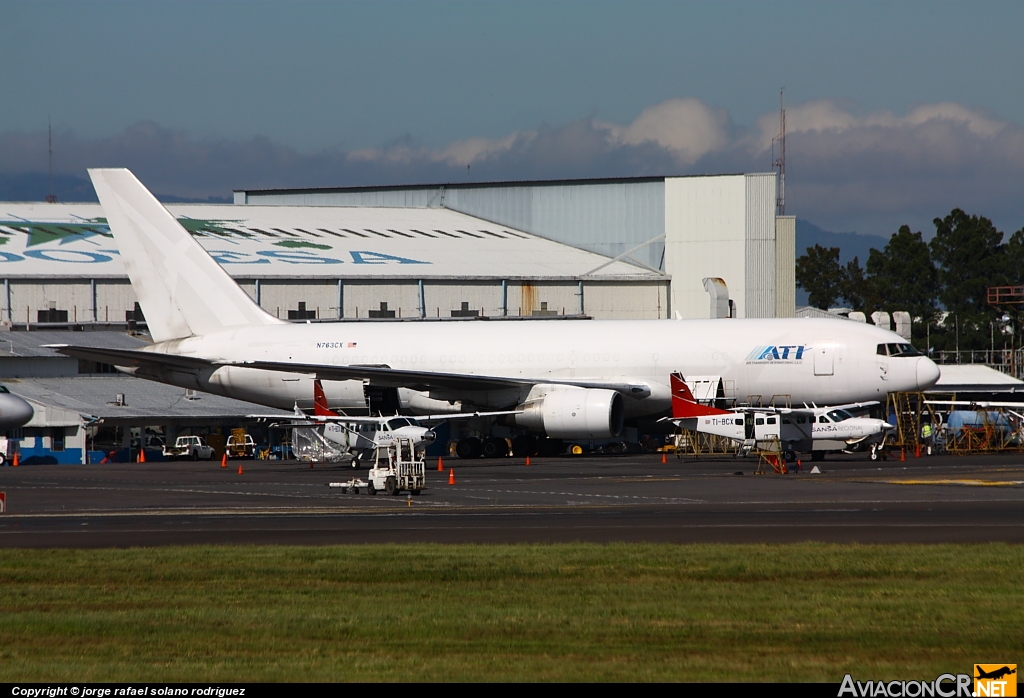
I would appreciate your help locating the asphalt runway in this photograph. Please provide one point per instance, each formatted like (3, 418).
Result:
(597, 498)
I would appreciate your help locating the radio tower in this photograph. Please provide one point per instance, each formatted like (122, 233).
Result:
(50, 198)
(780, 162)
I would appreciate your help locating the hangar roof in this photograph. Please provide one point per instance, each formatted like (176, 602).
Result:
(95, 397)
(73, 240)
(39, 343)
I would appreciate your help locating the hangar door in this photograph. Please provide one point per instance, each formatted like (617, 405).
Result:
(824, 359)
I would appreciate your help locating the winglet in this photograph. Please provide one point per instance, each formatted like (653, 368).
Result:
(320, 407)
(684, 405)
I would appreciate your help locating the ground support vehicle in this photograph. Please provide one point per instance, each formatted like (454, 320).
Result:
(398, 468)
(240, 444)
(194, 447)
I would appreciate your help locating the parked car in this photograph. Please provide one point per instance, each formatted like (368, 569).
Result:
(194, 447)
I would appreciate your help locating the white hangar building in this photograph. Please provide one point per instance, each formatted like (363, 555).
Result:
(685, 228)
(609, 249)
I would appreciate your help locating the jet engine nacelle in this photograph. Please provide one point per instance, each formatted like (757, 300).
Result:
(567, 412)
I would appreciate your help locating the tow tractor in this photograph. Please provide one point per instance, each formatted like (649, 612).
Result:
(398, 468)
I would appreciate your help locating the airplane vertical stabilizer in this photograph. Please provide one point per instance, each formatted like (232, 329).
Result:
(182, 289)
(684, 405)
(320, 407)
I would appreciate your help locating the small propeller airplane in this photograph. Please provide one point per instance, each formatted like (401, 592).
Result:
(361, 436)
(814, 429)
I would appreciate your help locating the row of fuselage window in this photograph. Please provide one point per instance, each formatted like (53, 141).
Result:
(836, 415)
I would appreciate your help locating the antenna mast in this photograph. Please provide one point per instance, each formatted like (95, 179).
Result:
(780, 162)
(50, 198)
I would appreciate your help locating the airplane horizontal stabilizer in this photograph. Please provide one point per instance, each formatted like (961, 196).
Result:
(134, 358)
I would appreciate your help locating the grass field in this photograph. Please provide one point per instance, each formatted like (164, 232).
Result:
(801, 612)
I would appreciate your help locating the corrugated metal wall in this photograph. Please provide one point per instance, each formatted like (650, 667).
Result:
(722, 226)
(759, 216)
(606, 218)
(705, 236)
(785, 266)
(606, 300)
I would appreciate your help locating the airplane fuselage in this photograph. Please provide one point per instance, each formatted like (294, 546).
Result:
(802, 360)
(821, 430)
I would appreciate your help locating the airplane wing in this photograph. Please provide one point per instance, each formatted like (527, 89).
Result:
(807, 410)
(982, 405)
(376, 375)
(312, 421)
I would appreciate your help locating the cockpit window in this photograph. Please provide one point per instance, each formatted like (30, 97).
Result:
(898, 350)
(398, 423)
(839, 415)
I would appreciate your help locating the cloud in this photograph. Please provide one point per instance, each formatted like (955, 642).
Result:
(842, 166)
(687, 128)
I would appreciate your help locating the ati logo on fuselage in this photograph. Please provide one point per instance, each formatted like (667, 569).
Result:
(778, 354)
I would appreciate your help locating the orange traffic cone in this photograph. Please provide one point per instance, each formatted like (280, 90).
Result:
(917, 450)
(903, 455)
(451, 476)
(15, 463)
(224, 461)
(142, 455)
(527, 460)
(440, 465)
(664, 458)
(239, 468)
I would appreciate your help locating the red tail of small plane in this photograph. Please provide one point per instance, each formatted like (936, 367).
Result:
(320, 408)
(685, 405)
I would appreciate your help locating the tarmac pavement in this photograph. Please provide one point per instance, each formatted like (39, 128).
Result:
(593, 498)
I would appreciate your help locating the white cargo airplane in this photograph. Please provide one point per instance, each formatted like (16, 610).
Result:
(805, 429)
(570, 379)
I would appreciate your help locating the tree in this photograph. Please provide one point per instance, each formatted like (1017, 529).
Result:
(855, 288)
(970, 256)
(1013, 269)
(818, 272)
(903, 277)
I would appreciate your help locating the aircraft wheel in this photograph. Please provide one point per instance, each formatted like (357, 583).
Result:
(551, 447)
(391, 486)
(495, 448)
(523, 446)
(874, 454)
(468, 448)
(3, 459)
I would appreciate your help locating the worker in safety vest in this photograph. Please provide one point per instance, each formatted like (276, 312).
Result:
(926, 437)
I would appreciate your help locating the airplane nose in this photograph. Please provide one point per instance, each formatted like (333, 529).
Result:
(14, 412)
(927, 373)
(429, 436)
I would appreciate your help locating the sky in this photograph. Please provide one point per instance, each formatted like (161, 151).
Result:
(897, 112)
